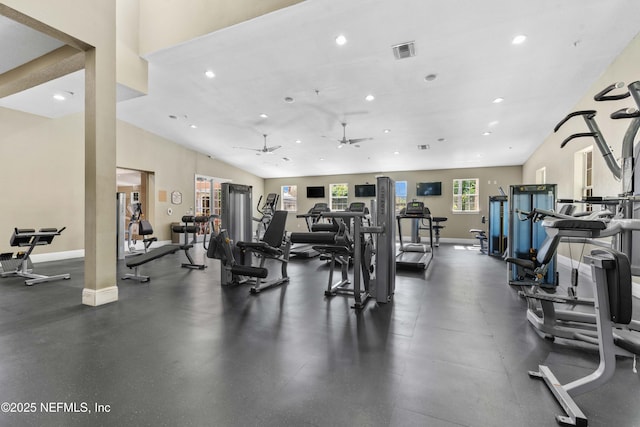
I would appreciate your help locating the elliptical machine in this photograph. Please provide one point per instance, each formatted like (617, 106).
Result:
(267, 210)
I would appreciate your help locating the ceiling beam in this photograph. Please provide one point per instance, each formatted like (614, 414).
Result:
(42, 27)
(55, 64)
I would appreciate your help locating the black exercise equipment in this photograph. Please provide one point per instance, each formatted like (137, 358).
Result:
(437, 228)
(21, 265)
(273, 246)
(136, 261)
(145, 230)
(312, 219)
(191, 225)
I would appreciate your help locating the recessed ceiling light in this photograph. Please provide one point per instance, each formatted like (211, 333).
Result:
(288, 100)
(171, 116)
(369, 97)
(263, 115)
(441, 140)
(193, 126)
(341, 40)
(396, 152)
(430, 77)
(519, 39)
(298, 141)
(486, 133)
(340, 146)
(498, 100)
(321, 158)
(59, 97)
(387, 130)
(210, 74)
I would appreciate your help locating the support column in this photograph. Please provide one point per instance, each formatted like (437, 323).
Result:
(100, 178)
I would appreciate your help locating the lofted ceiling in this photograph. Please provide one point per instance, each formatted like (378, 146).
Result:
(287, 65)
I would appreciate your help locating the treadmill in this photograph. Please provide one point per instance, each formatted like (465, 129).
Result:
(415, 254)
(305, 250)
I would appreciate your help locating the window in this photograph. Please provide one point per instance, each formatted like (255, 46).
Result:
(289, 197)
(587, 189)
(339, 196)
(401, 195)
(465, 195)
(583, 175)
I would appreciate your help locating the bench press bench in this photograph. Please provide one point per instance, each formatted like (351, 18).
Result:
(136, 261)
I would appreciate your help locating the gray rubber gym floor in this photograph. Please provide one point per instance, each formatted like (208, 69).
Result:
(452, 349)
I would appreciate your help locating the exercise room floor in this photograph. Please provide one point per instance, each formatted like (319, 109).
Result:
(452, 349)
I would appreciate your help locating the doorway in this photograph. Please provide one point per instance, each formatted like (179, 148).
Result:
(208, 194)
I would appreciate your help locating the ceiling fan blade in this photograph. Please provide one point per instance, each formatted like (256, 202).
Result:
(356, 140)
(272, 149)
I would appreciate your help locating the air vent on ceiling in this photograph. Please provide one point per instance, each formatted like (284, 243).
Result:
(424, 147)
(404, 50)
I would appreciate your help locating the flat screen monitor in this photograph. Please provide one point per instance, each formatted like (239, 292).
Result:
(315, 192)
(429, 189)
(366, 190)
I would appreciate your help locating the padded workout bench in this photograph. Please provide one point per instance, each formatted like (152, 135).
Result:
(136, 261)
(191, 226)
(21, 266)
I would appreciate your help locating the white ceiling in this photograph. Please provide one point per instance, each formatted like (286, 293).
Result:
(292, 53)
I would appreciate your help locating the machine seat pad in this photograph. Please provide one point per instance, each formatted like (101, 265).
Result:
(19, 239)
(319, 237)
(260, 247)
(576, 224)
(627, 340)
(324, 227)
(333, 249)
(247, 270)
(137, 260)
(525, 263)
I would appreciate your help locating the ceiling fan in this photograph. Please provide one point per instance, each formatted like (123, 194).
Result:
(265, 149)
(344, 141)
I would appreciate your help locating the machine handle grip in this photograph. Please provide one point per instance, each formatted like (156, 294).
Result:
(625, 113)
(577, 135)
(602, 95)
(588, 113)
(61, 230)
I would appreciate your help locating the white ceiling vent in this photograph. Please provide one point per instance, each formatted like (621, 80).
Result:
(404, 50)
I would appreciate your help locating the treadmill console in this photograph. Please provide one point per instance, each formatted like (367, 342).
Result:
(416, 210)
(319, 208)
(358, 207)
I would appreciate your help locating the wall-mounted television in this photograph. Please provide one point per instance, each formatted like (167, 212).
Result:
(365, 190)
(429, 189)
(315, 192)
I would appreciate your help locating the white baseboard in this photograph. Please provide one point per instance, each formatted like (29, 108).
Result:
(98, 297)
(585, 269)
(57, 256)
